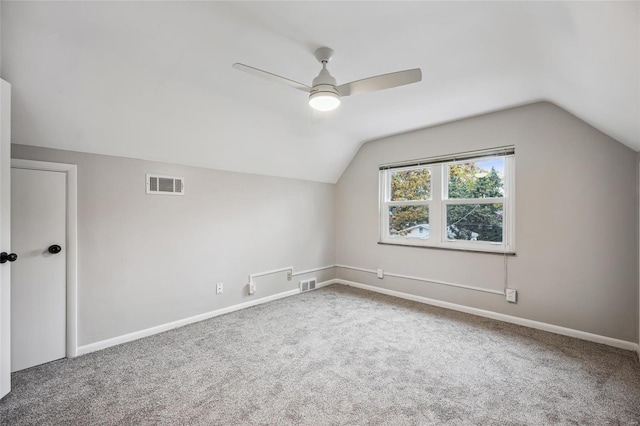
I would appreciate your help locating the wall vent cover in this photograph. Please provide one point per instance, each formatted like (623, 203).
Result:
(309, 284)
(165, 185)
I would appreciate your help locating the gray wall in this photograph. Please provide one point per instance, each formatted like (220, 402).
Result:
(145, 260)
(576, 222)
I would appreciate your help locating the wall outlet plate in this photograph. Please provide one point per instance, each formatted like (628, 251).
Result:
(512, 295)
(252, 287)
(219, 288)
(380, 273)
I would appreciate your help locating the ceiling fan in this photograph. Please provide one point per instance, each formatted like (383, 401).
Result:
(324, 93)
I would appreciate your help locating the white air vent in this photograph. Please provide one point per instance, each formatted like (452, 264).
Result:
(309, 284)
(167, 185)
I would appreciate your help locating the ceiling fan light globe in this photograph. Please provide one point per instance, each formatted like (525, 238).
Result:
(324, 101)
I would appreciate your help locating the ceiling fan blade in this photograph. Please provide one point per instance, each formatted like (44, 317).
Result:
(271, 76)
(381, 82)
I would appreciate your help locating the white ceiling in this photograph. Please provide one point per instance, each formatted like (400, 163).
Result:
(153, 80)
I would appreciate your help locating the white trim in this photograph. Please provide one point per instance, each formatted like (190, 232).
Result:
(461, 201)
(609, 341)
(273, 271)
(5, 230)
(459, 157)
(72, 241)
(437, 208)
(92, 347)
(355, 268)
(103, 344)
(429, 280)
(325, 283)
(289, 270)
(426, 280)
(308, 271)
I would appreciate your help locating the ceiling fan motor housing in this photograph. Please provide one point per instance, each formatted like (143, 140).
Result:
(324, 79)
(324, 95)
(324, 88)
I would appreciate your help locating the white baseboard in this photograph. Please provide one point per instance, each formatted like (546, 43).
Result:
(326, 283)
(623, 344)
(103, 344)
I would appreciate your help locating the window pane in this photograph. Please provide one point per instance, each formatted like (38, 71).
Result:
(482, 178)
(409, 222)
(410, 185)
(475, 222)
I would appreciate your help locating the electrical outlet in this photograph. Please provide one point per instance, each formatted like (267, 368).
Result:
(219, 288)
(380, 273)
(252, 287)
(289, 275)
(512, 295)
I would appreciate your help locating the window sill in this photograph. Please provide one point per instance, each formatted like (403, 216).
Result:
(468, 250)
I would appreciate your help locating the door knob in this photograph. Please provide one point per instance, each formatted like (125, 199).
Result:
(11, 257)
(55, 249)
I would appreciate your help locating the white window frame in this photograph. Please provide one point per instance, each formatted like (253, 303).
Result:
(438, 202)
(385, 185)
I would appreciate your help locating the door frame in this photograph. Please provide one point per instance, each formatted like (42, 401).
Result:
(71, 171)
(5, 231)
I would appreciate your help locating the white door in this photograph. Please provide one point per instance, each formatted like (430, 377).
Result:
(5, 237)
(38, 284)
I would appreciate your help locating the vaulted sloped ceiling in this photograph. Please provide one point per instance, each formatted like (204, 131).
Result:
(153, 80)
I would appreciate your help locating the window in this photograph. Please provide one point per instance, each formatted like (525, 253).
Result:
(460, 202)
